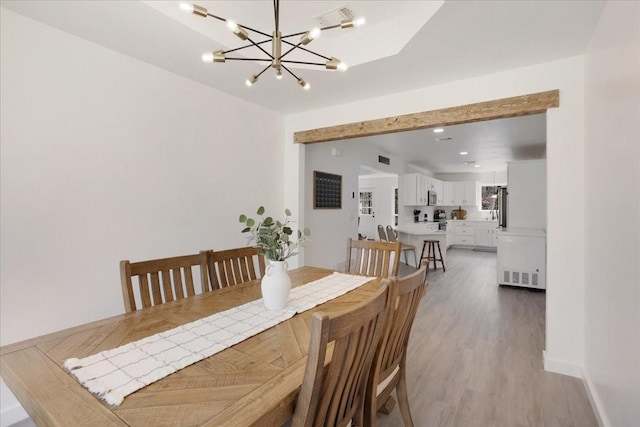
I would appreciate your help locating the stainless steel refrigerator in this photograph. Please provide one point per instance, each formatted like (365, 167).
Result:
(502, 206)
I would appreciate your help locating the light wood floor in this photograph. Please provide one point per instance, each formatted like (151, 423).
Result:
(475, 355)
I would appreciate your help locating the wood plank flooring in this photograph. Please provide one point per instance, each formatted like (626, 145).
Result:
(475, 355)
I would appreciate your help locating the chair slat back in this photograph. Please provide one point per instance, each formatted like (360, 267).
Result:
(369, 258)
(382, 235)
(391, 353)
(334, 396)
(391, 234)
(161, 280)
(234, 266)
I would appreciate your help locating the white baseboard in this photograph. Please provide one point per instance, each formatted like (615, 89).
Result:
(12, 415)
(596, 404)
(561, 367)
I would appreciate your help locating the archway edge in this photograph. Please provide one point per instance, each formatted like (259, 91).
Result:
(523, 105)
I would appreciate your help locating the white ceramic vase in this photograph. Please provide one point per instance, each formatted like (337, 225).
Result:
(276, 285)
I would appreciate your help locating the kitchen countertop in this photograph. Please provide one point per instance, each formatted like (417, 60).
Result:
(419, 230)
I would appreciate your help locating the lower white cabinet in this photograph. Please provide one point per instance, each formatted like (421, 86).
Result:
(472, 233)
(485, 237)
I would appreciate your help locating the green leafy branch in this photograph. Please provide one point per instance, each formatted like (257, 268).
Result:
(275, 238)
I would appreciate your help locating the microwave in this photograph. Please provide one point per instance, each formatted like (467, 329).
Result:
(432, 198)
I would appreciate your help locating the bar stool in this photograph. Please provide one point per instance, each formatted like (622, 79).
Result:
(430, 247)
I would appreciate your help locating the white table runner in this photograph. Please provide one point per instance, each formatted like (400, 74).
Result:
(114, 374)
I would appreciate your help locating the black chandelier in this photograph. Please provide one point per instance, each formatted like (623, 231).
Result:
(275, 58)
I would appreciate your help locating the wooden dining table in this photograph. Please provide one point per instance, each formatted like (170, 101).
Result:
(253, 383)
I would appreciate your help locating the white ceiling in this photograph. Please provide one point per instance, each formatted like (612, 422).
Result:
(419, 43)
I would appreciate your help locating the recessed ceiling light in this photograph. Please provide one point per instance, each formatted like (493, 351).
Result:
(438, 130)
(463, 153)
(476, 166)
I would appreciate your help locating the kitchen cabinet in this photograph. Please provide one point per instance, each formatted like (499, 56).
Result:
(464, 233)
(415, 189)
(448, 196)
(461, 193)
(436, 185)
(485, 237)
(472, 233)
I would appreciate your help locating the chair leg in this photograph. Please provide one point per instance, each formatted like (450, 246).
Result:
(403, 399)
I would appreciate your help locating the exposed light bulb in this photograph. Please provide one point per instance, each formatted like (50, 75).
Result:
(279, 74)
(185, 7)
(304, 84)
(342, 66)
(251, 80)
(359, 22)
(207, 57)
(315, 33)
(232, 25)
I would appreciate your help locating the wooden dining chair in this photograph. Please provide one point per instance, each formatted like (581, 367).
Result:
(389, 364)
(392, 236)
(334, 396)
(161, 280)
(370, 258)
(234, 266)
(382, 234)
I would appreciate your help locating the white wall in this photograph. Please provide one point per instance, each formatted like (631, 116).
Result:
(565, 174)
(527, 202)
(105, 158)
(612, 164)
(330, 228)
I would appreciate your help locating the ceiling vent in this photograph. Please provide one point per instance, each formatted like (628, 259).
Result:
(469, 162)
(444, 138)
(384, 160)
(336, 16)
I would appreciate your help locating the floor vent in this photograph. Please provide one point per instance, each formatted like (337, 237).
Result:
(525, 278)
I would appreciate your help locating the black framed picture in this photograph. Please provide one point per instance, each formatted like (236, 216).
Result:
(327, 190)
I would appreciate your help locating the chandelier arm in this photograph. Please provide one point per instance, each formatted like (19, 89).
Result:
(246, 46)
(287, 52)
(306, 50)
(304, 62)
(290, 72)
(254, 30)
(330, 27)
(219, 18)
(247, 59)
(260, 47)
(263, 70)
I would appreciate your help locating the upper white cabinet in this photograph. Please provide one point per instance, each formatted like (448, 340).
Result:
(462, 193)
(448, 196)
(415, 189)
(436, 185)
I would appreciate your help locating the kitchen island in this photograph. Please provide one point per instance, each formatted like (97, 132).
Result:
(416, 233)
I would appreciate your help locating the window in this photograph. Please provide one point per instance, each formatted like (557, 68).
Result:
(489, 197)
(366, 203)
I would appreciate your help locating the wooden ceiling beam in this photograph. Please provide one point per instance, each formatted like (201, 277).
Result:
(523, 105)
